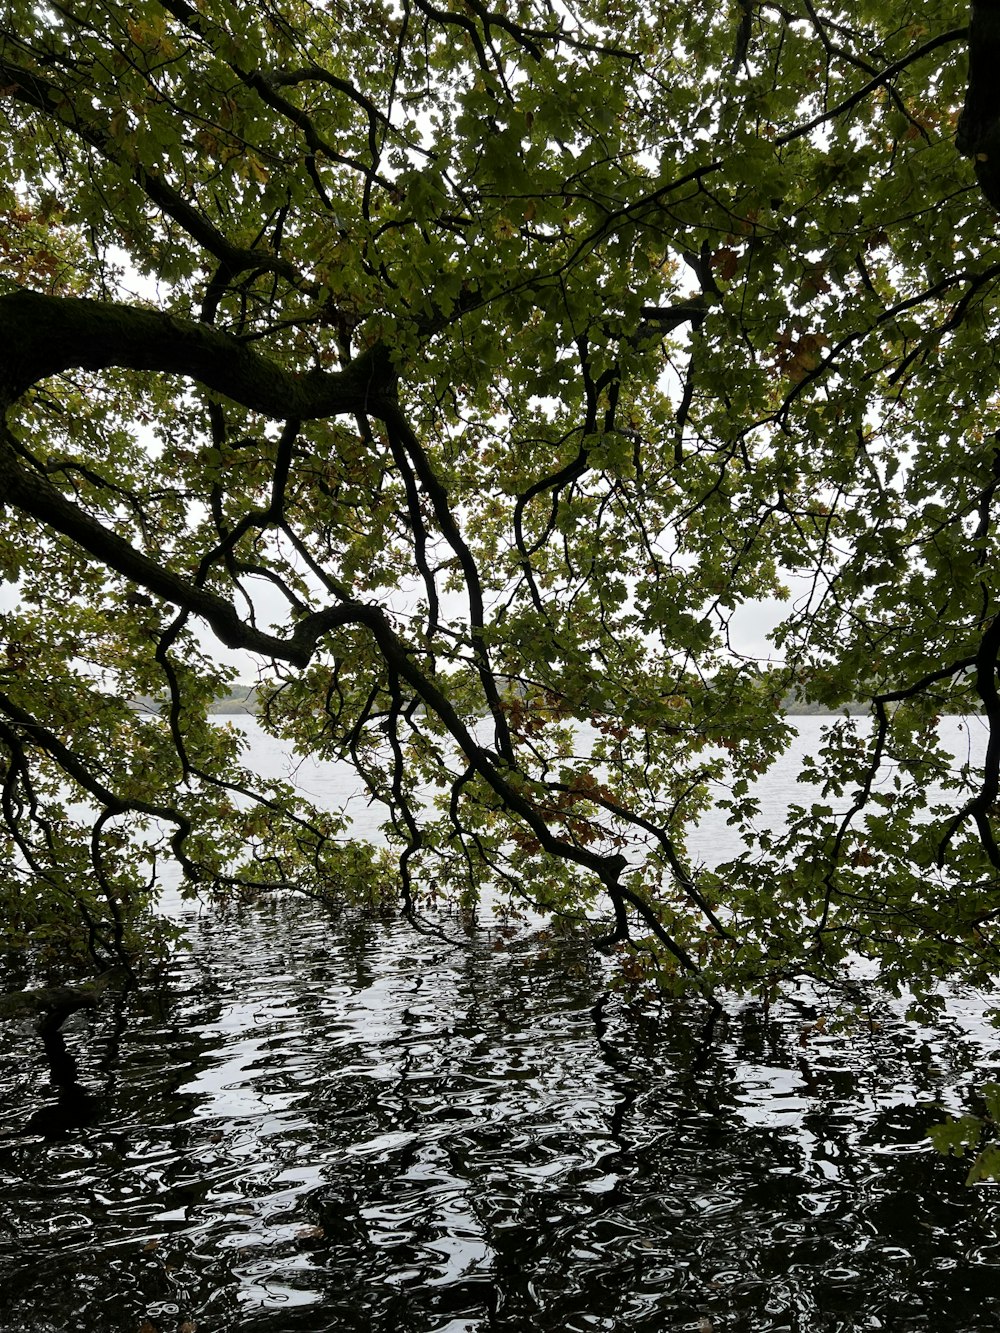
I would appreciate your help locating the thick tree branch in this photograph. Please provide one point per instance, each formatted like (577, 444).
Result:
(978, 134)
(46, 335)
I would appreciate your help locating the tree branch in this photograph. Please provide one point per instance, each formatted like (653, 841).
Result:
(35, 90)
(33, 494)
(44, 335)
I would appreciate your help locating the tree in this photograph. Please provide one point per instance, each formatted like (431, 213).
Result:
(469, 368)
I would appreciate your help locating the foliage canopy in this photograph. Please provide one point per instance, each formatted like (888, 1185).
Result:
(469, 369)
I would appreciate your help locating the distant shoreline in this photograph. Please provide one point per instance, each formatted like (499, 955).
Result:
(242, 702)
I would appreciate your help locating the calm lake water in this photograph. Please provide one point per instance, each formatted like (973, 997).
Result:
(316, 1125)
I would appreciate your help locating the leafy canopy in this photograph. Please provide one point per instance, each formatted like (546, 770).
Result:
(468, 369)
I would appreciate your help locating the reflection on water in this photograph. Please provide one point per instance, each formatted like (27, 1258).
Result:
(316, 1126)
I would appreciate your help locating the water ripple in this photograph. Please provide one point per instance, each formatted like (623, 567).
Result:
(345, 1127)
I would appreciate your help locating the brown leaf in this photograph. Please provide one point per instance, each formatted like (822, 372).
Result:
(726, 261)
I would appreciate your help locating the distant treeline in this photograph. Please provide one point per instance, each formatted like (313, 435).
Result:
(794, 706)
(239, 699)
(242, 699)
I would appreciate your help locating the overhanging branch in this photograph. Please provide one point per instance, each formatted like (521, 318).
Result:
(34, 495)
(45, 335)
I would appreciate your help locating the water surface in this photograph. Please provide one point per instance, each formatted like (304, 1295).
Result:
(311, 1124)
(315, 1126)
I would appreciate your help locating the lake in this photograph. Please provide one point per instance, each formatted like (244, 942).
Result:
(334, 785)
(314, 1124)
